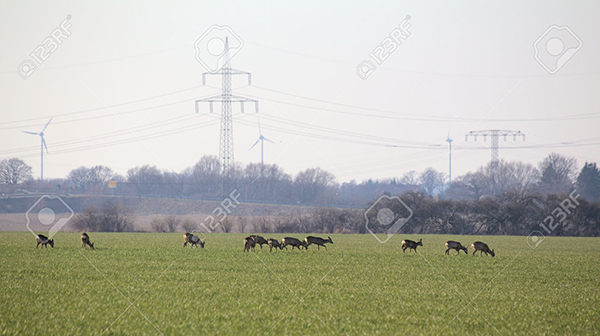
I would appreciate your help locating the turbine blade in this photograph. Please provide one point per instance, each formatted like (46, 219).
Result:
(30, 133)
(256, 143)
(47, 125)
(44, 142)
(269, 140)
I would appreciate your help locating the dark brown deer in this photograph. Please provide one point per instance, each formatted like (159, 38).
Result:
(454, 245)
(249, 243)
(318, 241)
(259, 240)
(293, 242)
(193, 240)
(41, 239)
(482, 248)
(274, 243)
(411, 245)
(85, 241)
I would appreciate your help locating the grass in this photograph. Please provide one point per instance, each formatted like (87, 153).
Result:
(147, 283)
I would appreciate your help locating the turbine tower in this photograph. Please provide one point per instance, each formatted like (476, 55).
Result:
(495, 135)
(226, 98)
(43, 145)
(262, 139)
(449, 141)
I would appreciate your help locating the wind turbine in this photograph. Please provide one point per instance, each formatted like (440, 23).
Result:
(262, 139)
(449, 141)
(43, 145)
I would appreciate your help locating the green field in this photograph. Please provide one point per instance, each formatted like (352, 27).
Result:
(147, 283)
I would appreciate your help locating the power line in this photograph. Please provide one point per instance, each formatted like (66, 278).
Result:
(103, 108)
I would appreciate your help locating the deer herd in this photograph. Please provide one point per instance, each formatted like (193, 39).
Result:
(251, 241)
(451, 245)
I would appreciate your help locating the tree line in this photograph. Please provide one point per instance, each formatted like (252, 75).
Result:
(505, 198)
(554, 175)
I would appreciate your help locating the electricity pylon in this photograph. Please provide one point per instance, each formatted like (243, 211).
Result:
(495, 136)
(226, 157)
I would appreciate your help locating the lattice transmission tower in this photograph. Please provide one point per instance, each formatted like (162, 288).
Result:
(226, 157)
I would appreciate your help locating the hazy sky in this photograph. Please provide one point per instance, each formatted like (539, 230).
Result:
(121, 87)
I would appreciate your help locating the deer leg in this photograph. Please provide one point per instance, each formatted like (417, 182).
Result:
(325, 247)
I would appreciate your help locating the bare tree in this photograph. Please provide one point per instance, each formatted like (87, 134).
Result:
(410, 178)
(147, 180)
(189, 225)
(262, 224)
(100, 175)
(113, 217)
(116, 217)
(432, 180)
(14, 171)
(78, 176)
(173, 183)
(96, 177)
(226, 225)
(205, 176)
(172, 222)
(558, 173)
(158, 225)
(515, 176)
(242, 223)
(315, 185)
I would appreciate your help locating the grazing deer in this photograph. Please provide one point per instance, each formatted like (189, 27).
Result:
(411, 245)
(292, 242)
(259, 240)
(316, 240)
(41, 239)
(454, 245)
(274, 243)
(193, 240)
(482, 248)
(249, 243)
(85, 241)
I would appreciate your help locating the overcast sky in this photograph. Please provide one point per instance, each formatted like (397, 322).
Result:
(122, 82)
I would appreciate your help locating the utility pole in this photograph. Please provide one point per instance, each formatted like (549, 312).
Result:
(226, 157)
(495, 136)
